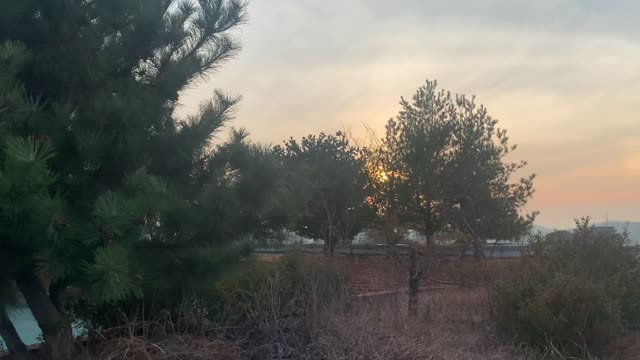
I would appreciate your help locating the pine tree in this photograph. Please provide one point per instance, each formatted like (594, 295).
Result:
(484, 196)
(444, 164)
(27, 212)
(327, 175)
(447, 159)
(415, 150)
(26, 206)
(123, 198)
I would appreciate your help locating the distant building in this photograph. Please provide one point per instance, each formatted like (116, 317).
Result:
(596, 230)
(561, 235)
(604, 230)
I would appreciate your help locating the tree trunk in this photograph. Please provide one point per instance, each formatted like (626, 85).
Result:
(414, 282)
(326, 250)
(10, 336)
(56, 328)
(329, 242)
(428, 232)
(478, 251)
(429, 240)
(56, 294)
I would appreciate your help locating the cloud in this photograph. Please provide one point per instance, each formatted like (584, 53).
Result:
(615, 17)
(561, 75)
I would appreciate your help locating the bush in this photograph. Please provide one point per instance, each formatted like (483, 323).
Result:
(158, 314)
(293, 282)
(577, 293)
(278, 306)
(630, 298)
(543, 308)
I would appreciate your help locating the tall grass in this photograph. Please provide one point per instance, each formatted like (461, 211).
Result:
(299, 308)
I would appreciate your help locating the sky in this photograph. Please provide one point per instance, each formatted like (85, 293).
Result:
(562, 76)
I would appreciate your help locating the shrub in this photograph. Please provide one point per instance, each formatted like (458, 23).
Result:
(542, 308)
(278, 306)
(292, 281)
(158, 314)
(630, 298)
(576, 293)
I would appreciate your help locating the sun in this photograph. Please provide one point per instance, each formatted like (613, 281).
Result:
(382, 176)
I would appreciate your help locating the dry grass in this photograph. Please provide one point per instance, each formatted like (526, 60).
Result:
(451, 324)
(473, 273)
(170, 347)
(155, 340)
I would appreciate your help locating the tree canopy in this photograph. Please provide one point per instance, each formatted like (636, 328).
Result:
(445, 168)
(328, 176)
(108, 196)
(103, 187)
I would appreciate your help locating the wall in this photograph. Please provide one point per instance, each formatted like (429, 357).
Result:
(376, 274)
(372, 271)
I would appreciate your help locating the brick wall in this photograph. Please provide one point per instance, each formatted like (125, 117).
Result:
(370, 274)
(369, 269)
(366, 273)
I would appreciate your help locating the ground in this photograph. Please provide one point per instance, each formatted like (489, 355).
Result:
(451, 323)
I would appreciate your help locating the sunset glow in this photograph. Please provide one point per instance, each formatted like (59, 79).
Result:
(562, 77)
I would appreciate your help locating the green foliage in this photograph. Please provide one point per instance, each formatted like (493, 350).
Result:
(292, 286)
(597, 256)
(276, 310)
(28, 210)
(109, 274)
(442, 166)
(605, 259)
(255, 187)
(136, 201)
(628, 284)
(412, 159)
(570, 312)
(484, 201)
(327, 178)
(578, 293)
